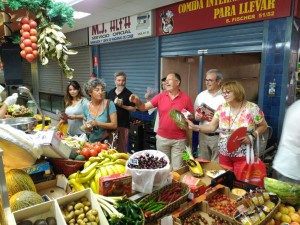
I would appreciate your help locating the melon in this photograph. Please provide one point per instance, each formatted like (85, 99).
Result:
(24, 199)
(18, 180)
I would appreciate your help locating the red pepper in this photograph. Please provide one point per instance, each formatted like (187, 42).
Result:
(148, 213)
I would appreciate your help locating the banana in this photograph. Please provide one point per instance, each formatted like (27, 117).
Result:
(106, 160)
(120, 155)
(95, 159)
(121, 161)
(77, 186)
(113, 168)
(87, 164)
(86, 185)
(73, 176)
(108, 164)
(120, 168)
(93, 186)
(86, 178)
(112, 151)
(96, 179)
(106, 155)
(87, 170)
(109, 170)
(103, 171)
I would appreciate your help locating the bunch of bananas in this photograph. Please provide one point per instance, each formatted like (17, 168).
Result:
(106, 163)
(52, 44)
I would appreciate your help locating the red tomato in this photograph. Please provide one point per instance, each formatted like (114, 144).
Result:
(22, 46)
(104, 146)
(35, 53)
(25, 19)
(87, 145)
(32, 24)
(25, 27)
(33, 39)
(26, 34)
(30, 57)
(93, 152)
(27, 42)
(85, 152)
(23, 53)
(97, 148)
(33, 46)
(33, 32)
(28, 50)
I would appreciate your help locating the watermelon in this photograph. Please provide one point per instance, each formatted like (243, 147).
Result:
(287, 192)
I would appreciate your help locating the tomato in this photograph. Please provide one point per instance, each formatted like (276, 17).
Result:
(23, 53)
(35, 53)
(30, 57)
(87, 145)
(27, 42)
(28, 50)
(93, 152)
(33, 39)
(33, 32)
(25, 19)
(33, 46)
(85, 152)
(22, 46)
(25, 27)
(32, 24)
(104, 146)
(97, 147)
(26, 34)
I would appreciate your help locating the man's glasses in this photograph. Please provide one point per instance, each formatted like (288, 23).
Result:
(226, 93)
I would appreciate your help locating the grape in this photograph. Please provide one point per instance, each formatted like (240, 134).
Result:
(148, 161)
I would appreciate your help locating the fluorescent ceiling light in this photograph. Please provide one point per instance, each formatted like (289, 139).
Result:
(70, 2)
(79, 15)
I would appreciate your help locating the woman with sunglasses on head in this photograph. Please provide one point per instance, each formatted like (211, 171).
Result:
(100, 113)
(73, 115)
(236, 112)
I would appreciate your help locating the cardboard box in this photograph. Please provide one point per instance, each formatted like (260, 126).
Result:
(116, 185)
(199, 190)
(55, 188)
(40, 211)
(38, 168)
(52, 145)
(90, 196)
(200, 206)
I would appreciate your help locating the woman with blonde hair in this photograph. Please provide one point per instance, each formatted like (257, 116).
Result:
(236, 112)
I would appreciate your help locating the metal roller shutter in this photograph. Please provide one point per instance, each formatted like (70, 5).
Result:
(224, 40)
(82, 63)
(138, 59)
(52, 80)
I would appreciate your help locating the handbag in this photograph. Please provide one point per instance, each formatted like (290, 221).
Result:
(110, 135)
(253, 170)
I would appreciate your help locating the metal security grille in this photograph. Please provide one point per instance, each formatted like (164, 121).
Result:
(224, 40)
(138, 59)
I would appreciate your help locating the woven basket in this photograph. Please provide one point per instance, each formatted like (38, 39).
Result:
(170, 207)
(65, 166)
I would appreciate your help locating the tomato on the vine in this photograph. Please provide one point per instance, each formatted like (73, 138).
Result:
(104, 146)
(97, 148)
(93, 152)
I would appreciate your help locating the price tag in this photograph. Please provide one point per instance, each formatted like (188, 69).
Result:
(134, 162)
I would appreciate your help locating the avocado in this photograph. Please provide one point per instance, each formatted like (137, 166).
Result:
(80, 158)
(73, 155)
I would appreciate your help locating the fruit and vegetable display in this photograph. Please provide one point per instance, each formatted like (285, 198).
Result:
(80, 212)
(107, 162)
(19, 111)
(158, 202)
(120, 210)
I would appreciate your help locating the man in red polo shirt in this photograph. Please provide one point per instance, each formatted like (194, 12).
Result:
(170, 139)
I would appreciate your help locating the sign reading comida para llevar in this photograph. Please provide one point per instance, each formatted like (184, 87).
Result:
(125, 28)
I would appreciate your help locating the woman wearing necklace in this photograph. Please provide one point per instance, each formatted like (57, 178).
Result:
(95, 111)
(73, 116)
(236, 112)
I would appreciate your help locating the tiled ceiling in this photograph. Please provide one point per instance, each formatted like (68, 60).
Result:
(106, 10)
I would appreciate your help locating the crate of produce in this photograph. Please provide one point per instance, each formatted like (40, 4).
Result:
(47, 211)
(65, 166)
(153, 207)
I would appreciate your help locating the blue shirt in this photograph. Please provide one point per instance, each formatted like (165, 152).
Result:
(98, 132)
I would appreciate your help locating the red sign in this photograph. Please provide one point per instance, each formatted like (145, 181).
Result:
(297, 9)
(202, 14)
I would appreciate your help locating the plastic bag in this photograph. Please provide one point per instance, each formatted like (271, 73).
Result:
(146, 180)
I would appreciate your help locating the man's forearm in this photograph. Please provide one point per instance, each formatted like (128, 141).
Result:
(141, 106)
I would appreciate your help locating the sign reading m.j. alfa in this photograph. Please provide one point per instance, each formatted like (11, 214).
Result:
(125, 28)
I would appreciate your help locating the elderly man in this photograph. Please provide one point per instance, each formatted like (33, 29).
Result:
(170, 139)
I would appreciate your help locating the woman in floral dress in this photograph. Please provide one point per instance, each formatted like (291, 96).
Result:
(236, 112)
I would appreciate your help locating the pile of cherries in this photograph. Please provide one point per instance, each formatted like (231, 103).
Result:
(147, 161)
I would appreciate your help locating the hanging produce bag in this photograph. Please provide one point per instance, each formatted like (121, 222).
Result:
(253, 170)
